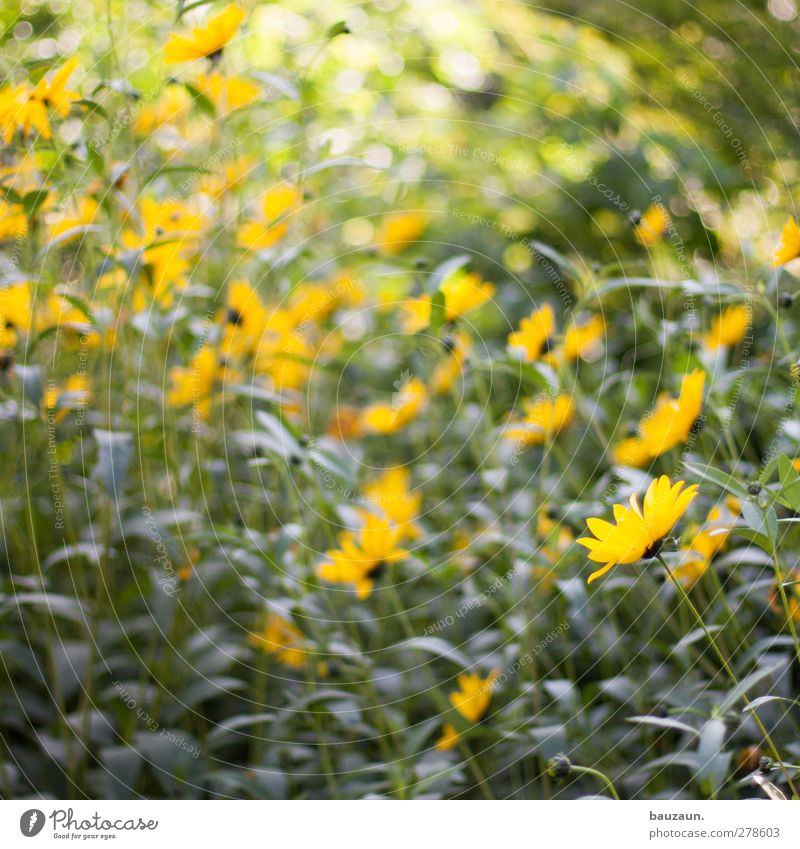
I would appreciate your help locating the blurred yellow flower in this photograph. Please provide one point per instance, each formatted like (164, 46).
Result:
(282, 639)
(399, 229)
(448, 372)
(208, 40)
(226, 93)
(73, 394)
(581, 340)
(172, 104)
(360, 559)
(631, 452)
(194, 384)
(391, 494)
(271, 226)
(462, 294)
(789, 245)
(728, 328)
(544, 419)
(25, 108)
(13, 221)
(409, 400)
(471, 700)
(638, 531)
(652, 225)
(672, 419)
(83, 215)
(706, 541)
(534, 334)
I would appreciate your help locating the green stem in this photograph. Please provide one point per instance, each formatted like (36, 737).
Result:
(587, 770)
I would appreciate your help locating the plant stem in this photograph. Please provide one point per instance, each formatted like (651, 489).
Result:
(587, 770)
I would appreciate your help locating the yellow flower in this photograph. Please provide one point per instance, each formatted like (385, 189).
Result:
(449, 738)
(345, 423)
(582, 340)
(534, 333)
(25, 108)
(15, 307)
(462, 294)
(281, 638)
(391, 495)
(13, 221)
(399, 229)
(631, 452)
(194, 384)
(271, 226)
(792, 595)
(208, 40)
(638, 531)
(448, 372)
(86, 209)
(672, 419)
(410, 399)
(244, 319)
(358, 561)
(544, 419)
(652, 225)
(231, 177)
(55, 93)
(74, 394)
(226, 93)
(789, 246)
(471, 700)
(705, 543)
(728, 328)
(172, 104)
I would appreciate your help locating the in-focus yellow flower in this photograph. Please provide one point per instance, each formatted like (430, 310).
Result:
(360, 559)
(789, 245)
(534, 334)
(671, 420)
(728, 328)
(706, 541)
(226, 93)
(13, 221)
(282, 639)
(638, 532)
(208, 40)
(652, 225)
(409, 400)
(271, 226)
(399, 229)
(391, 494)
(544, 419)
(471, 700)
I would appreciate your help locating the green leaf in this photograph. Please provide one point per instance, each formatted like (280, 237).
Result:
(201, 101)
(725, 480)
(760, 540)
(438, 313)
(663, 722)
(790, 483)
(740, 690)
(32, 202)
